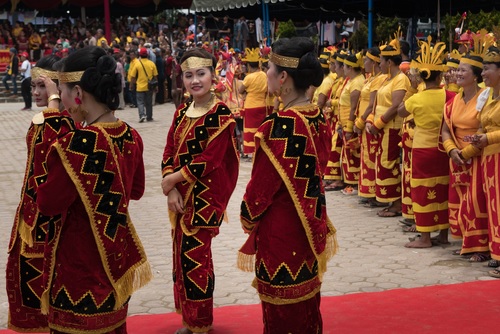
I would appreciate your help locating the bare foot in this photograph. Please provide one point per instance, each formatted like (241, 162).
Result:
(419, 243)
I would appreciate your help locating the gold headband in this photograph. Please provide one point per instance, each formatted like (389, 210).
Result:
(388, 53)
(451, 64)
(472, 62)
(492, 57)
(36, 72)
(284, 61)
(195, 62)
(65, 77)
(372, 57)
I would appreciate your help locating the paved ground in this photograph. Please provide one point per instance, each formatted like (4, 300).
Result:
(371, 257)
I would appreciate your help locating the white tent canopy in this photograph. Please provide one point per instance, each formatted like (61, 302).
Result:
(219, 5)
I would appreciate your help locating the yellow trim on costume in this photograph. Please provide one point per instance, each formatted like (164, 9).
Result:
(431, 182)
(431, 207)
(449, 145)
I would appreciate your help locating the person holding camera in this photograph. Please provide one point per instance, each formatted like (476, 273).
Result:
(144, 80)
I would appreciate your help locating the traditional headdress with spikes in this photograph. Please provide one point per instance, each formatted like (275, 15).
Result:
(492, 56)
(394, 43)
(430, 58)
(453, 59)
(481, 41)
(252, 55)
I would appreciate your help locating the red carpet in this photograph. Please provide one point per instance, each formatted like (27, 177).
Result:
(458, 308)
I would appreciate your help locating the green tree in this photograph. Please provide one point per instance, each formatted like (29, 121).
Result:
(359, 40)
(286, 29)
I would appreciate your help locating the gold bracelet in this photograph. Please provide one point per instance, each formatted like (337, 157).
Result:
(449, 145)
(54, 97)
(379, 123)
(349, 126)
(360, 123)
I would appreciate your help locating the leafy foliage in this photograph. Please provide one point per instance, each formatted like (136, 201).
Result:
(359, 40)
(474, 22)
(286, 29)
(386, 27)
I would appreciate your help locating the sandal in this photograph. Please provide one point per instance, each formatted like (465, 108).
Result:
(479, 257)
(407, 221)
(364, 201)
(386, 212)
(494, 273)
(349, 191)
(493, 263)
(410, 229)
(456, 252)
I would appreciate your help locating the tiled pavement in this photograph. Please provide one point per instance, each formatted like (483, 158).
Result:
(371, 256)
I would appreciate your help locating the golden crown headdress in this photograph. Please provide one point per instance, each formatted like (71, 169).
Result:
(481, 42)
(454, 54)
(394, 43)
(252, 55)
(492, 56)
(430, 58)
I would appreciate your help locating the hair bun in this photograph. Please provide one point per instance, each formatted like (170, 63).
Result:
(90, 79)
(106, 64)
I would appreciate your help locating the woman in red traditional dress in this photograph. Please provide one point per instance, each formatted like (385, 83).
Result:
(348, 107)
(200, 169)
(467, 210)
(94, 259)
(291, 238)
(254, 85)
(429, 166)
(25, 260)
(489, 140)
(385, 125)
(366, 182)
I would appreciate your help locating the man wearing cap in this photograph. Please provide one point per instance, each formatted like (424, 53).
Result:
(26, 80)
(12, 72)
(143, 71)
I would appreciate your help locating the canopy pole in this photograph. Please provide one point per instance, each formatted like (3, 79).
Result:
(370, 23)
(107, 21)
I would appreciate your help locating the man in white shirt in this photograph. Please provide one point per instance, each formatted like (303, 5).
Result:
(25, 71)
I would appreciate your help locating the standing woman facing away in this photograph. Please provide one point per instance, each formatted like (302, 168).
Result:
(25, 260)
(200, 169)
(95, 260)
(284, 207)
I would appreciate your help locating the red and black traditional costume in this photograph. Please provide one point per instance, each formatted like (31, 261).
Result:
(204, 150)
(25, 261)
(94, 259)
(291, 236)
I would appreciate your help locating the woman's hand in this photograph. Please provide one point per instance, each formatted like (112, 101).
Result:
(348, 135)
(372, 130)
(167, 184)
(480, 141)
(357, 130)
(456, 158)
(175, 201)
(50, 86)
